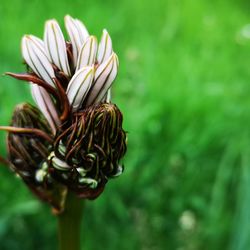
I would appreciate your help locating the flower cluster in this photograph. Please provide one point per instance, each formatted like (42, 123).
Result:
(74, 140)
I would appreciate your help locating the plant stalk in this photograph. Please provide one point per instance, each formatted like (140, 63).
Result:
(69, 224)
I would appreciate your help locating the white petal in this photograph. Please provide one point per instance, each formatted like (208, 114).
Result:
(77, 33)
(104, 76)
(105, 47)
(119, 171)
(79, 86)
(59, 164)
(46, 105)
(82, 31)
(107, 97)
(87, 55)
(89, 181)
(34, 55)
(55, 46)
(39, 42)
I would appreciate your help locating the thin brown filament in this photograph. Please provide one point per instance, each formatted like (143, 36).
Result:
(4, 161)
(35, 131)
(34, 79)
(64, 100)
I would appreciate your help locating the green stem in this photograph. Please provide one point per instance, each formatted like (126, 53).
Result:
(69, 224)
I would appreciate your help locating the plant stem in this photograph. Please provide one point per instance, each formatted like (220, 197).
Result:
(69, 224)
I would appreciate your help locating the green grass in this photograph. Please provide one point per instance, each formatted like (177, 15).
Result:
(184, 88)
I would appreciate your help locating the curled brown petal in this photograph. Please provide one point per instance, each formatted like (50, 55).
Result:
(4, 161)
(35, 131)
(64, 100)
(34, 79)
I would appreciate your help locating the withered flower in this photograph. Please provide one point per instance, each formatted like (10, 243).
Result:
(74, 140)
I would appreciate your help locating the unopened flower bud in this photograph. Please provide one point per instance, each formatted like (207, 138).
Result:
(27, 151)
(90, 149)
(74, 141)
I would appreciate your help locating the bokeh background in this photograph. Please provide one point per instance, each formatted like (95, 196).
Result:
(184, 89)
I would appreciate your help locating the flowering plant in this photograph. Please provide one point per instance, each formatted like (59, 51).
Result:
(73, 142)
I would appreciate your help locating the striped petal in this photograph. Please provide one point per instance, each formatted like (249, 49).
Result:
(82, 31)
(107, 97)
(105, 47)
(77, 33)
(104, 77)
(79, 86)
(55, 46)
(39, 42)
(87, 55)
(46, 105)
(58, 163)
(34, 55)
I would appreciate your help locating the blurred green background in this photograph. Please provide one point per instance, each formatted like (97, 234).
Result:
(184, 89)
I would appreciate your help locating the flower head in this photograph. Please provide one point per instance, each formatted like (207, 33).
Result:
(74, 140)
